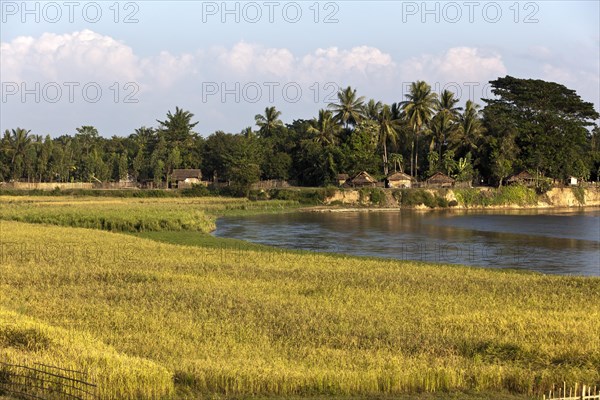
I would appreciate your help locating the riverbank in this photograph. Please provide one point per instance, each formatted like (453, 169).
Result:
(508, 197)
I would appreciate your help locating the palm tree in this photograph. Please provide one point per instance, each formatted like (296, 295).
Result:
(247, 132)
(444, 122)
(178, 127)
(418, 110)
(349, 110)
(448, 102)
(324, 128)
(441, 126)
(388, 131)
(397, 110)
(397, 160)
(268, 122)
(88, 138)
(373, 110)
(470, 131)
(19, 142)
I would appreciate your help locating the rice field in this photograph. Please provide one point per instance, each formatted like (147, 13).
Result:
(148, 319)
(132, 214)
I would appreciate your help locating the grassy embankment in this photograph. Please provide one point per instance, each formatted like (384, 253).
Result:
(148, 319)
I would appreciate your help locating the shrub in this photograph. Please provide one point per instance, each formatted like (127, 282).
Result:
(505, 195)
(258, 195)
(196, 191)
(579, 194)
(330, 191)
(441, 201)
(543, 186)
(374, 196)
(416, 197)
(377, 196)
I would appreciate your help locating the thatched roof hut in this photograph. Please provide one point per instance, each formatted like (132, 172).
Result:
(342, 178)
(186, 177)
(363, 179)
(523, 178)
(399, 180)
(440, 180)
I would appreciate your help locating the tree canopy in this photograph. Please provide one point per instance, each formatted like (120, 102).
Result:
(533, 125)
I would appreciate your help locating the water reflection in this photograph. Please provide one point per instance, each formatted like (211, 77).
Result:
(549, 242)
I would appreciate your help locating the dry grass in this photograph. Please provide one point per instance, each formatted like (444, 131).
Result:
(150, 319)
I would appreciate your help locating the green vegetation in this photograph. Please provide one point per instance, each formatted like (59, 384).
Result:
(529, 125)
(419, 197)
(579, 194)
(505, 195)
(132, 215)
(374, 196)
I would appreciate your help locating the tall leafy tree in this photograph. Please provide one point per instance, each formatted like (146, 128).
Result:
(268, 122)
(469, 135)
(349, 110)
(19, 141)
(324, 128)
(445, 121)
(373, 110)
(388, 132)
(178, 127)
(418, 110)
(552, 124)
(397, 160)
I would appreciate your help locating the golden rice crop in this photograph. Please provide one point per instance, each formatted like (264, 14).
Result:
(149, 319)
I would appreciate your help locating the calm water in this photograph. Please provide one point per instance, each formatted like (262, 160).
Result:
(548, 242)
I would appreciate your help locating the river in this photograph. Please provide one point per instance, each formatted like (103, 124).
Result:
(553, 242)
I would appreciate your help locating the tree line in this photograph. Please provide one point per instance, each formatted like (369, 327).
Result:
(533, 125)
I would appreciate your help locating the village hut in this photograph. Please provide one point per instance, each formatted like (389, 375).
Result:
(440, 180)
(522, 178)
(363, 179)
(185, 178)
(342, 178)
(399, 180)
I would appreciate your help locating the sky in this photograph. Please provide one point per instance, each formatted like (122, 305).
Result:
(122, 65)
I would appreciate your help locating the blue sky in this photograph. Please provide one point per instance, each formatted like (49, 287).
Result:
(193, 55)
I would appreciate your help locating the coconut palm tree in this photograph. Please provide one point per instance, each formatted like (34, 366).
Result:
(418, 110)
(324, 128)
(268, 122)
(445, 121)
(448, 102)
(397, 160)
(17, 142)
(388, 132)
(373, 110)
(469, 134)
(349, 110)
(178, 127)
(441, 126)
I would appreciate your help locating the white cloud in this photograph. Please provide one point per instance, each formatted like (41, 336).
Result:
(458, 64)
(556, 74)
(249, 59)
(333, 61)
(76, 56)
(245, 58)
(87, 56)
(166, 69)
